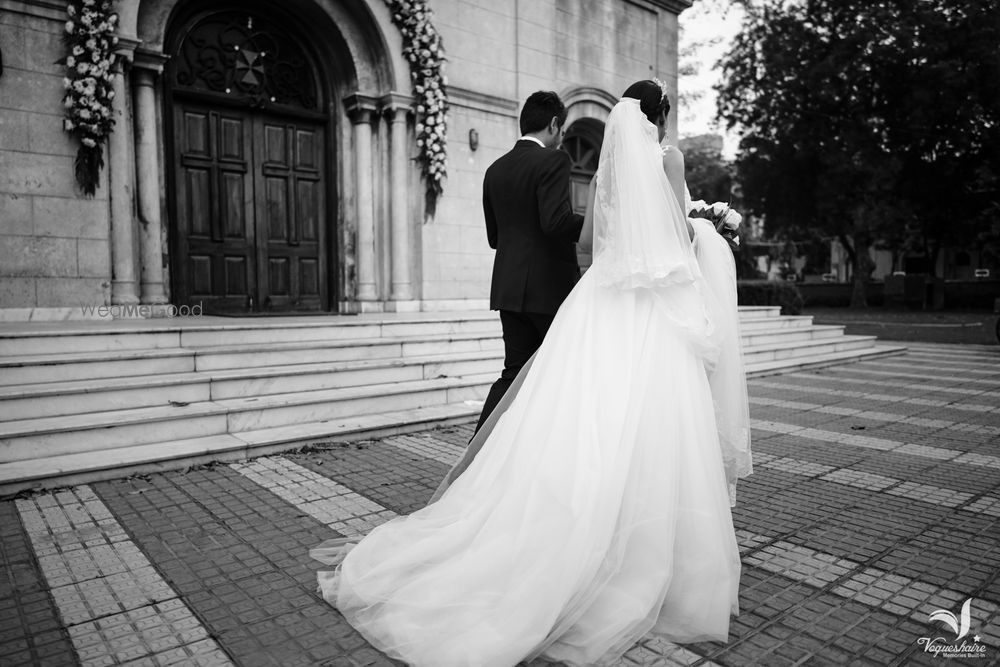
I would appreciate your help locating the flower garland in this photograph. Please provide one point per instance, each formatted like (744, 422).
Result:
(89, 42)
(423, 50)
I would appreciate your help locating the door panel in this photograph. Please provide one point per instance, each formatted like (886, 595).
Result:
(250, 212)
(290, 199)
(215, 217)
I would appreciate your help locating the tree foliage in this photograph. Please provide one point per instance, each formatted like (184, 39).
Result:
(708, 174)
(869, 120)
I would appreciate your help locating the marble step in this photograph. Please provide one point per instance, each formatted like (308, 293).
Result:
(22, 370)
(804, 348)
(97, 395)
(278, 354)
(821, 360)
(789, 335)
(82, 467)
(19, 370)
(758, 312)
(85, 467)
(237, 371)
(55, 338)
(97, 431)
(754, 324)
(39, 338)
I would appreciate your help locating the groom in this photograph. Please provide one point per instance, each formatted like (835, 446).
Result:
(531, 224)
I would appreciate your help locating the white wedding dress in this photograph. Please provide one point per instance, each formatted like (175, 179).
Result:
(594, 505)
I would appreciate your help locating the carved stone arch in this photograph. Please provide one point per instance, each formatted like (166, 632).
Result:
(361, 29)
(588, 102)
(587, 111)
(365, 91)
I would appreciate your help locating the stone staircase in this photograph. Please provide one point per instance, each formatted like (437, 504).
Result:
(81, 401)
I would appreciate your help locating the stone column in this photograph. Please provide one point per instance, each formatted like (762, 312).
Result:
(121, 169)
(396, 110)
(362, 111)
(149, 177)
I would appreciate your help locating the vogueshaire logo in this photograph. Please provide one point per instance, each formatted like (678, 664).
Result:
(959, 647)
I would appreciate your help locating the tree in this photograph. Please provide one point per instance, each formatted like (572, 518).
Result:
(709, 176)
(865, 119)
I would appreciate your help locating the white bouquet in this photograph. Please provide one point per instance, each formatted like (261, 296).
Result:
(726, 220)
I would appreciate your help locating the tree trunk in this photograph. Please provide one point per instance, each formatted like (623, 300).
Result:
(863, 267)
(932, 259)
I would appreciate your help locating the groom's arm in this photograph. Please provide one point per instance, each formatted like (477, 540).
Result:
(555, 211)
(491, 218)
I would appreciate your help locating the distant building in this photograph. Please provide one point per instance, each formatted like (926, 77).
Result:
(305, 201)
(952, 264)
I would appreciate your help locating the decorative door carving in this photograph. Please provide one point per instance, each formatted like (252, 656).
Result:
(249, 221)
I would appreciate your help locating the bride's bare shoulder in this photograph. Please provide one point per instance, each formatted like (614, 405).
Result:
(672, 157)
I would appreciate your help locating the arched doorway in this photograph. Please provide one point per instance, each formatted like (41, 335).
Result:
(247, 129)
(583, 140)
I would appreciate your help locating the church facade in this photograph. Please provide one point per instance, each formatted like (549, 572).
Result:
(263, 155)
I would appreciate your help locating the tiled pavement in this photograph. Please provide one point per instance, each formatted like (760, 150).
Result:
(875, 501)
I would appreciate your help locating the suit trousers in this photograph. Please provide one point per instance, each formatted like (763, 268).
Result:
(522, 336)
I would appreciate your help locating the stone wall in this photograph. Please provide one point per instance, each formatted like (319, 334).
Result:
(498, 54)
(54, 243)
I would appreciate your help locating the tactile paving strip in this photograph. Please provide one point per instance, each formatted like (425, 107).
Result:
(117, 608)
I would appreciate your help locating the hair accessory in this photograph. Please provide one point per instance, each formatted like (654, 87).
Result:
(663, 87)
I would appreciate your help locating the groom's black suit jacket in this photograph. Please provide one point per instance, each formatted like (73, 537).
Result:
(531, 224)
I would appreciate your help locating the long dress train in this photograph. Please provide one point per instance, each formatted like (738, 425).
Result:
(595, 510)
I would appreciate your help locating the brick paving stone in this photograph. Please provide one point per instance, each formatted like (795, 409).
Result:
(875, 500)
(174, 518)
(30, 628)
(394, 478)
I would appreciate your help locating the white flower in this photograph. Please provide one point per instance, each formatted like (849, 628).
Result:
(718, 208)
(91, 44)
(88, 142)
(698, 205)
(68, 125)
(70, 61)
(84, 114)
(71, 10)
(732, 219)
(82, 68)
(70, 27)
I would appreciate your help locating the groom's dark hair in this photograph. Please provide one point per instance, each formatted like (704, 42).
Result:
(539, 110)
(652, 100)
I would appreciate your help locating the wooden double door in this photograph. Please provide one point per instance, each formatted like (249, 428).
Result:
(250, 212)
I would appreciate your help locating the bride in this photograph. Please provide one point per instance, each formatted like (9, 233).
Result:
(593, 507)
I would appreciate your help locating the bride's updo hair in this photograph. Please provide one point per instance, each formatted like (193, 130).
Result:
(652, 100)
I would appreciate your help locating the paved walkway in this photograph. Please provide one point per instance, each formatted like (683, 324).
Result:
(875, 502)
